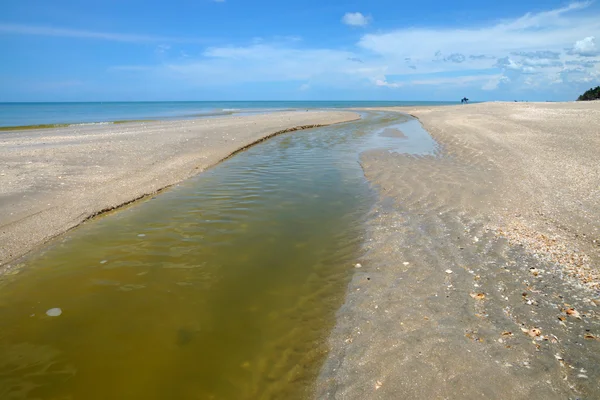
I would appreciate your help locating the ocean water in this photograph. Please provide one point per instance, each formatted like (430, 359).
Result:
(27, 114)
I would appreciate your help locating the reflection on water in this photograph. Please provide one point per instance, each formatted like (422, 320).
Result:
(224, 287)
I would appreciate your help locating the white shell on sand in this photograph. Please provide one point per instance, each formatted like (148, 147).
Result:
(357, 266)
(54, 312)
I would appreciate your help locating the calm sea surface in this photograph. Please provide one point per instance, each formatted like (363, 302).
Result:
(24, 114)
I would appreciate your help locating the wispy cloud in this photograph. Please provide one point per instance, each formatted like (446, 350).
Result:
(355, 19)
(23, 29)
(263, 63)
(521, 46)
(532, 50)
(453, 81)
(162, 49)
(454, 57)
(540, 55)
(481, 57)
(550, 29)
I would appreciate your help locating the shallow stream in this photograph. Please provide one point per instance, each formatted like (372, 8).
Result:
(223, 287)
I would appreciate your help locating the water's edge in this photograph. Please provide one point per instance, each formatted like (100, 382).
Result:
(11, 263)
(444, 305)
(40, 115)
(346, 316)
(243, 265)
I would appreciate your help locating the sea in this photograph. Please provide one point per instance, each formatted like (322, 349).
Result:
(31, 114)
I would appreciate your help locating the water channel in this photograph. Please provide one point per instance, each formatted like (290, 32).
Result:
(223, 287)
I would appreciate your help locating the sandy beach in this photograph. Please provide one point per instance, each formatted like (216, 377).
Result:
(480, 276)
(51, 180)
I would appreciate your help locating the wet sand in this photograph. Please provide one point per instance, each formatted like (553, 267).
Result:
(51, 180)
(480, 277)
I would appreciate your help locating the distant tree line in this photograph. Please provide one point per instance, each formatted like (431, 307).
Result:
(592, 94)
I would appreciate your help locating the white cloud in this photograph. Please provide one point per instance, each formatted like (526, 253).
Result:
(525, 66)
(578, 75)
(265, 63)
(384, 83)
(451, 81)
(540, 55)
(355, 19)
(532, 45)
(528, 51)
(495, 82)
(541, 62)
(585, 47)
(481, 57)
(456, 58)
(455, 81)
(551, 30)
(583, 63)
(20, 29)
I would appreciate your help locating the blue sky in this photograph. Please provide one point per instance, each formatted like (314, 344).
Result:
(73, 50)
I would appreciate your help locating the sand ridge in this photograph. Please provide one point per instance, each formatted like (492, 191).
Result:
(51, 180)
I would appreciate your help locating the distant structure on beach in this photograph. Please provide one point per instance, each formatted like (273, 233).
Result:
(464, 100)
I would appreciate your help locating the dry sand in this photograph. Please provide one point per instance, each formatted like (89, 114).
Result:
(51, 180)
(480, 277)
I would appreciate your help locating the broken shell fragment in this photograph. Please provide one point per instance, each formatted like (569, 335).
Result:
(573, 313)
(533, 332)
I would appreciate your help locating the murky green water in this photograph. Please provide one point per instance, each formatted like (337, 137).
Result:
(224, 287)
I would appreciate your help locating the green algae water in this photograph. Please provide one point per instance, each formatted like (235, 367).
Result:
(223, 287)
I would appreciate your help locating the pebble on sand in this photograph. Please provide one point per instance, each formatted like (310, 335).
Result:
(448, 271)
(357, 265)
(54, 312)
